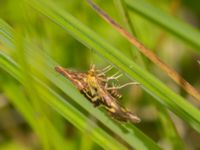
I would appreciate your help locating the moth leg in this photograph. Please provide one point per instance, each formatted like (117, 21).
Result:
(103, 71)
(103, 79)
(94, 99)
(106, 69)
(115, 76)
(122, 86)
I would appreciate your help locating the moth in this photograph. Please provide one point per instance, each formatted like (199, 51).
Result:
(96, 87)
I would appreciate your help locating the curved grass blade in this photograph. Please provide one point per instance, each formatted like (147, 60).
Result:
(14, 94)
(173, 25)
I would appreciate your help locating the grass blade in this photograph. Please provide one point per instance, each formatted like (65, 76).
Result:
(173, 25)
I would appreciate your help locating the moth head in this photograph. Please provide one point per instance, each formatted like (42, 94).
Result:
(92, 71)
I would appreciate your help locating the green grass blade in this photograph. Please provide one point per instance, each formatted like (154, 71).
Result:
(149, 83)
(173, 25)
(43, 123)
(123, 12)
(30, 114)
(5, 31)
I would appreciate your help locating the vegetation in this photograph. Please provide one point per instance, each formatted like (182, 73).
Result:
(40, 109)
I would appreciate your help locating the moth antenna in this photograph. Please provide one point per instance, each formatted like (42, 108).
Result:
(122, 86)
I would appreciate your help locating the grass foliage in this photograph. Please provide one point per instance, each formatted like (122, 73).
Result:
(46, 100)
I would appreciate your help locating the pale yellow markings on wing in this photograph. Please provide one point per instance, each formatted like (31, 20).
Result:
(84, 79)
(79, 83)
(113, 104)
(124, 110)
(68, 74)
(112, 110)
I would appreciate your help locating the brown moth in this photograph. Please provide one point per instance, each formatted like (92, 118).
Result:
(94, 86)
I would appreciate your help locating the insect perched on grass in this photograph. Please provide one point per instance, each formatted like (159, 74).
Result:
(95, 86)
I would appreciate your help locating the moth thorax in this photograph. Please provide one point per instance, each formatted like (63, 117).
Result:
(91, 80)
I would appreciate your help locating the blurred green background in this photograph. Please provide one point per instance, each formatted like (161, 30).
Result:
(39, 109)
